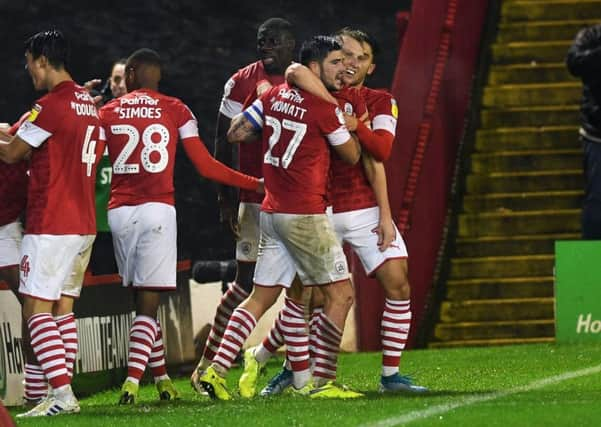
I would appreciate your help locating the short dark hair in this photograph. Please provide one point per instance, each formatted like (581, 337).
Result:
(279, 25)
(362, 37)
(144, 56)
(52, 44)
(317, 48)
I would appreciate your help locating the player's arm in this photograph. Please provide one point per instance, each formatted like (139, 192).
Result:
(349, 151)
(210, 168)
(248, 125)
(376, 175)
(300, 76)
(377, 142)
(13, 149)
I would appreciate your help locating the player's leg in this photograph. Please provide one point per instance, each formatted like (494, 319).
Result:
(156, 363)
(390, 269)
(46, 264)
(320, 261)
(241, 324)
(36, 386)
(142, 336)
(274, 270)
(289, 318)
(145, 244)
(246, 257)
(396, 324)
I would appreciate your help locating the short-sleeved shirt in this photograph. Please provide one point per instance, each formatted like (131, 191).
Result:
(13, 184)
(297, 130)
(349, 188)
(239, 92)
(67, 140)
(142, 131)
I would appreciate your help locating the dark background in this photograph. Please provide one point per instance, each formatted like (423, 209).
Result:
(202, 44)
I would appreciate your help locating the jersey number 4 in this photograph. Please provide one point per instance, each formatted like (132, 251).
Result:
(299, 129)
(160, 147)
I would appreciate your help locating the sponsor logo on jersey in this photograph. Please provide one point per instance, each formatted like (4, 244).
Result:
(394, 109)
(33, 114)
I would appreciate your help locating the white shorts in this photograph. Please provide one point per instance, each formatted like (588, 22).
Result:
(356, 229)
(145, 241)
(303, 244)
(10, 244)
(54, 265)
(247, 245)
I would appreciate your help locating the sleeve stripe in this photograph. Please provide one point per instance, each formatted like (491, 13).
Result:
(189, 129)
(32, 134)
(230, 108)
(384, 121)
(339, 136)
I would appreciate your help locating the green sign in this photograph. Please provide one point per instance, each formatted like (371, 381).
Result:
(578, 291)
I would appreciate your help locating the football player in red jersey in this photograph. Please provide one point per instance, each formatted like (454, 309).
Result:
(362, 218)
(296, 236)
(275, 46)
(143, 128)
(64, 138)
(13, 193)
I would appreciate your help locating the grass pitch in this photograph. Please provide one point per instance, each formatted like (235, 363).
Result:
(527, 385)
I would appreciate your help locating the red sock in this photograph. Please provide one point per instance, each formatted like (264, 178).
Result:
(48, 348)
(36, 386)
(238, 329)
(68, 329)
(156, 362)
(230, 300)
(327, 346)
(142, 336)
(396, 321)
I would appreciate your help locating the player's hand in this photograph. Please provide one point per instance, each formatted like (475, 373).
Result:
(261, 188)
(351, 122)
(386, 234)
(228, 214)
(91, 84)
(262, 87)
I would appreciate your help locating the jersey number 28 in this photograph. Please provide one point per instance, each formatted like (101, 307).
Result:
(160, 147)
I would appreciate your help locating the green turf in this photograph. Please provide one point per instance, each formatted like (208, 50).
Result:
(455, 376)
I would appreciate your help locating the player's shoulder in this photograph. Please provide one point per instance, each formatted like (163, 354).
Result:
(376, 94)
(249, 72)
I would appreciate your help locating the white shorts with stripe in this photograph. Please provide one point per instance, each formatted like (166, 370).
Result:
(54, 265)
(247, 245)
(10, 244)
(303, 244)
(357, 229)
(145, 241)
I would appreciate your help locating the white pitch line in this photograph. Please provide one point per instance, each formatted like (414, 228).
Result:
(447, 407)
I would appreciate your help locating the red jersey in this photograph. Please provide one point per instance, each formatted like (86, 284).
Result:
(349, 188)
(297, 130)
(239, 92)
(13, 184)
(67, 140)
(142, 131)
